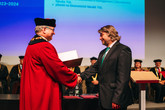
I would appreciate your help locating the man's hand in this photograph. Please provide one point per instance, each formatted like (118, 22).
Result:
(66, 88)
(95, 82)
(162, 82)
(79, 79)
(19, 74)
(115, 106)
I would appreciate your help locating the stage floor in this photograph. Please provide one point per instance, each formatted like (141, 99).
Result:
(11, 101)
(149, 106)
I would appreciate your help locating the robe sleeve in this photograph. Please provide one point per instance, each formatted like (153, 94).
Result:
(91, 71)
(55, 67)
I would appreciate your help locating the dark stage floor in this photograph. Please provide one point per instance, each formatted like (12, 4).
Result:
(11, 102)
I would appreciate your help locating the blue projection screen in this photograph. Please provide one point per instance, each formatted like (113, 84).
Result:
(77, 24)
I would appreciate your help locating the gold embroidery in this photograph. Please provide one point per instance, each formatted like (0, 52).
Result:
(157, 73)
(19, 69)
(72, 68)
(36, 38)
(94, 78)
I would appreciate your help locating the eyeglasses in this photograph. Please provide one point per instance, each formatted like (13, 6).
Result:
(50, 28)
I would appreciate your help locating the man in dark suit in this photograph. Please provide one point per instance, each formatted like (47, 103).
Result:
(3, 78)
(15, 75)
(158, 87)
(92, 82)
(113, 67)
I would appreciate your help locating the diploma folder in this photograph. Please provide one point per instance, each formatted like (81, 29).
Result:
(70, 58)
(73, 63)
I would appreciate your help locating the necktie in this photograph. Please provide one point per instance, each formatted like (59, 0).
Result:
(104, 55)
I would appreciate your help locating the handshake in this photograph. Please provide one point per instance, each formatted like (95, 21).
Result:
(79, 79)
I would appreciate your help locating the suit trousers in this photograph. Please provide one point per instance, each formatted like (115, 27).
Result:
(160, 92)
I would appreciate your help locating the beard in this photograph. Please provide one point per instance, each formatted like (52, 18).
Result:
(104, 43)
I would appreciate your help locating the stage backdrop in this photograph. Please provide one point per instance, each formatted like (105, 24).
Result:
(77, 24)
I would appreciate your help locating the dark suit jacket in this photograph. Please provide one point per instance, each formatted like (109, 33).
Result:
(15, 80)
(14, 74)
(91, 88)
(3, 77)
(114, 76)
(3, 72)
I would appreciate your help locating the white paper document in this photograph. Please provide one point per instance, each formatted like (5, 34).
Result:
(69, 55)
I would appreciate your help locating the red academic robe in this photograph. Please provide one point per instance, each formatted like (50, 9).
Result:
(42, 74)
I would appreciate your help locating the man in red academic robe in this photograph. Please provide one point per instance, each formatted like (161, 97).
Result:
(43, 72)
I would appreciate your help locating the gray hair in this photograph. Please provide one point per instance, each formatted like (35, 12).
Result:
(39, 28)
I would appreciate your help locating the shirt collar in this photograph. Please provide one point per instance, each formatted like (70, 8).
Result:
(112, 44)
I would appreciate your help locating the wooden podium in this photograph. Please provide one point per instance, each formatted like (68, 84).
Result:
(143, 77)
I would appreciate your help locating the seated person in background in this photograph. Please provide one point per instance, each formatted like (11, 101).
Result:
(78, 89)
(134, 86)
(158, 87)
(3, 78)
(15, 75)
(92, 82)
(137, 65)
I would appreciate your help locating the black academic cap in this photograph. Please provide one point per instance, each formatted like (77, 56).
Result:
(157, 60)
(21, 57)
(0, 55)
(93, 58)
(137, 60)
(45, 22)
